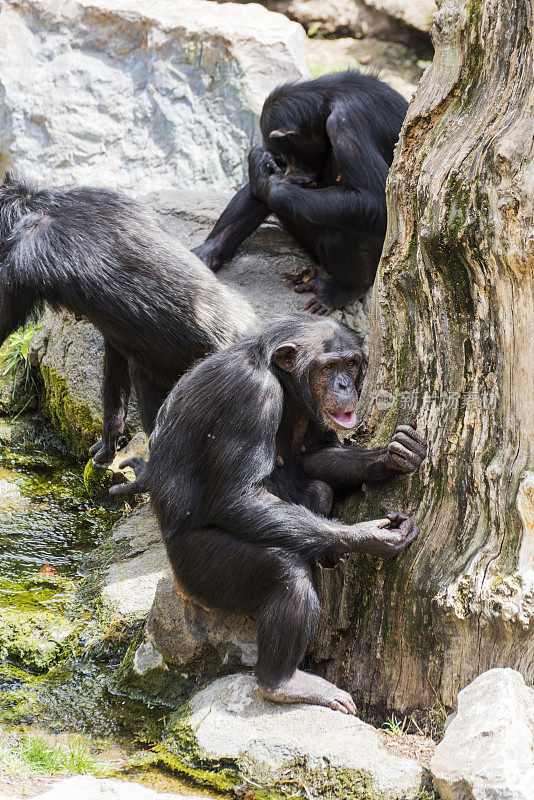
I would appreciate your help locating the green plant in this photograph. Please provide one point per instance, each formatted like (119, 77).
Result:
(38, 754)
(16, 355)
(395, 726)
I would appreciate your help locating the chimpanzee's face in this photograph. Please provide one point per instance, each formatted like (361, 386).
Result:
(333, 376)
(325, 371)
(303, 158)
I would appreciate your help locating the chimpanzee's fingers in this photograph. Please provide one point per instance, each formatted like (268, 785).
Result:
(400, 464)
(396, 518)
(409, 530)
(136, 463)
(410, 444)
(399, 450)
(126, 489)
(95, 447)
(411, 432)
(317, 307)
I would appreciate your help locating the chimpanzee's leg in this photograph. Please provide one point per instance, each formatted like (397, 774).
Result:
(150, 395)
(115, 396)
(220, 571)
(243, 214)
(318, 496)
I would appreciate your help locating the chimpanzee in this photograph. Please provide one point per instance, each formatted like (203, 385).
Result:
(243, 470)
(327, 147)
(103, 256)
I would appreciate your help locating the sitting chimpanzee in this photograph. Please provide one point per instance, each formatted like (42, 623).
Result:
(105, 257)
(243, 469)
(327, 148)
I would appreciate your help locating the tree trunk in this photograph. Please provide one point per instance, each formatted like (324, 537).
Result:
(451, 345)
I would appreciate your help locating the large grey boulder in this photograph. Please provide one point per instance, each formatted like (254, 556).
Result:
(230, 722)
(487, 752)
(382, 19)
(135, 95)
(418, 14)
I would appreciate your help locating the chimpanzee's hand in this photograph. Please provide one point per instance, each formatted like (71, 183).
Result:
(262, 171)
(406, 451)
(391, 535)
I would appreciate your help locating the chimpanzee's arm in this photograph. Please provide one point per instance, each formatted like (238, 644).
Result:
(345, 468)
(275, 523)
(115, 397)
(332, 207)
(243, 214)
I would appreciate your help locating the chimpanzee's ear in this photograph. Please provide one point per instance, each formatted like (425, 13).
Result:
(279, 134)
(285, 356)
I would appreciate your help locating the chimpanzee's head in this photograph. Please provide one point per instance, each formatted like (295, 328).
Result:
(324, 365)
(293, 129)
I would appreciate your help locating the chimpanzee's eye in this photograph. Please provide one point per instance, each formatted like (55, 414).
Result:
(351, 364)
(330, 366)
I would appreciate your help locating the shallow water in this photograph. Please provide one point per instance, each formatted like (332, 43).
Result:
(46, 517)
(45, 514)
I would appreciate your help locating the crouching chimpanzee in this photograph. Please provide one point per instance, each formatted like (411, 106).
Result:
(243, 469)
(327, 148)
(105, 257)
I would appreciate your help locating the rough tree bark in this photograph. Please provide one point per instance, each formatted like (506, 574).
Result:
(452, 335)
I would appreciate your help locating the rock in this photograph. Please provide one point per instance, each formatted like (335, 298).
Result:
(124, 571)
(35, 639)
(417, 14)
(228, 723)
(488, 747)
(262, 261)
(358, 18)
(138, 96)
(184, 646)
(91, 788)
(12, 501)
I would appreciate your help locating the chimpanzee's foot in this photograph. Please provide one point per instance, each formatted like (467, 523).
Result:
(303, 687)
(329, 295)
(209, 253)
(102, 453)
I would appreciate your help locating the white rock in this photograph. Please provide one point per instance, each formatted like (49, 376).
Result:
(91, 788)
(135, 95)
(487, 752)
(231, 720)
(416, 13)
(130, 581)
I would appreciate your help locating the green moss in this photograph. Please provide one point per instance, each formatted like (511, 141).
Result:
(36, 639)
(77, 424)
(97, 479)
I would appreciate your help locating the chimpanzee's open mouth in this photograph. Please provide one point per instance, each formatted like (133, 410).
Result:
(346, 419)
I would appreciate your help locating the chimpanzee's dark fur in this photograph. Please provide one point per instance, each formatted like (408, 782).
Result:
(327, 148)
(240, 455)
(105, 257)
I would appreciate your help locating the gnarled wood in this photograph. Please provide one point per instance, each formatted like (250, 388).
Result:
(452, 335)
